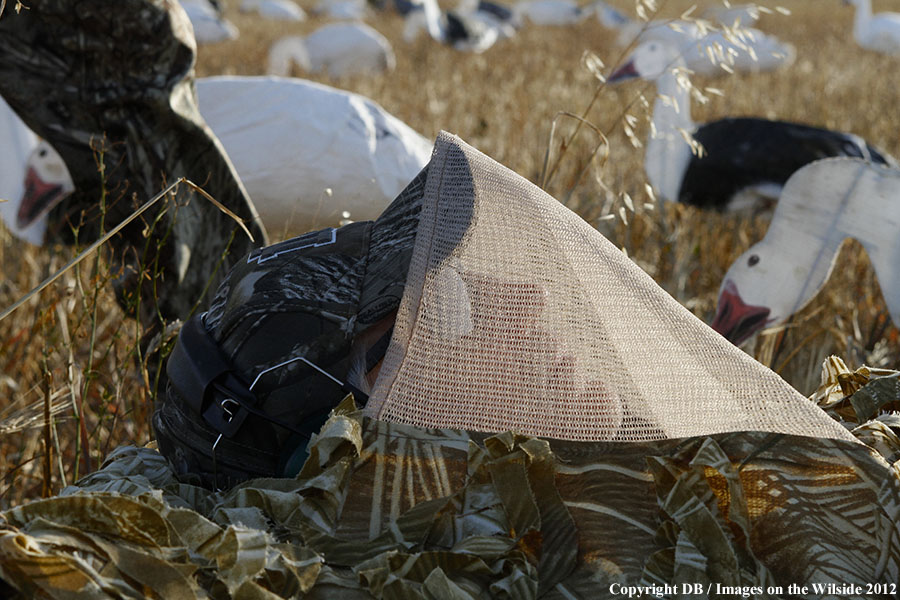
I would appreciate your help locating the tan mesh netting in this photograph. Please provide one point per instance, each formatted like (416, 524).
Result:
(519, 315)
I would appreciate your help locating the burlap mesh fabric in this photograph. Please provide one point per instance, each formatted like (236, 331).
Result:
(517, 315)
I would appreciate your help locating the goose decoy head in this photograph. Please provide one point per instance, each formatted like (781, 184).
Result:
(649, 60)
(47, 183)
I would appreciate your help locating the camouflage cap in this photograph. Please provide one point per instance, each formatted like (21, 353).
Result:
(301, 301)
(350, 276)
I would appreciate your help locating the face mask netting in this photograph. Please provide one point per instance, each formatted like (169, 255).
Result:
(518, 315)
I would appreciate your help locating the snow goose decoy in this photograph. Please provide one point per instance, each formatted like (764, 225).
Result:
(745, 160)
(353, 10)
(210, 26)
(340, 49)
(551, 12)
(461, 31)
(276, 10)
(706, 51)
(18, 142)
(822, 204)
(608, 16)
(879, 32)
(306, 152)
(744, 15)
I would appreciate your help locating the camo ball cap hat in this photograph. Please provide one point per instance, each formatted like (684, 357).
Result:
(255, 374)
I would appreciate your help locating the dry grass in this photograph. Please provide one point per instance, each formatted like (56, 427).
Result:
(73, 345)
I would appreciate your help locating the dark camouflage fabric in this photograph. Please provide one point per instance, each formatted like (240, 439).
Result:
(112, 82)
(308, 297)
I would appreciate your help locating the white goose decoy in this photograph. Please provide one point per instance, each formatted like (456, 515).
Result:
(209, 26)
(822, 204)
(706, 51)
(744, 15)
(18, 142)
(551, 12)
(306, 152)
(879, 32)
(608, 16)
(746, 160)
(276, 10)
(341, 49)
(460, 31)
(355, 10)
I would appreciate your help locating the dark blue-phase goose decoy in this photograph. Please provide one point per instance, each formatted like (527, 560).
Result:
(462, 30)
(744, 161)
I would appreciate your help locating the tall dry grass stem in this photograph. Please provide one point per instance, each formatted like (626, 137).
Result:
(603, 142)
(47, 487)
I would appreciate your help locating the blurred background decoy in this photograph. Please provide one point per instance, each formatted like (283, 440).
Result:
(209, 23)
(309, 155)
(879, 32)
(276, 10)
(731, 164)
(340, 49)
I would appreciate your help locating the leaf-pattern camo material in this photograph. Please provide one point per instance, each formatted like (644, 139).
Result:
(391, 511)
(853, 397)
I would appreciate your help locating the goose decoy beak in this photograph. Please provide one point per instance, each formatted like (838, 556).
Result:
(39, 197)
(735, 319)
(626, 71)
